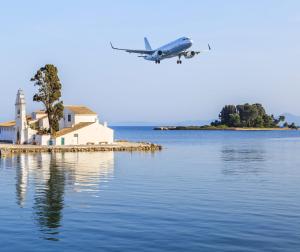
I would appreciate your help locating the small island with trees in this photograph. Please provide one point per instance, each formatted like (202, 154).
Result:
(241, 117)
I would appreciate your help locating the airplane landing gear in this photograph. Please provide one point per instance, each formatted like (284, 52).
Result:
(179, 61)
(157, 61)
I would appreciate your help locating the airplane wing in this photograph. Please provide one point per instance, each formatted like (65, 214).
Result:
(133, 50)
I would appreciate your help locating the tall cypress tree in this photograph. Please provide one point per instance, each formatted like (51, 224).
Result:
(49, 93)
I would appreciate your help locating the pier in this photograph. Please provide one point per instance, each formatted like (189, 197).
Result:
(9, 149)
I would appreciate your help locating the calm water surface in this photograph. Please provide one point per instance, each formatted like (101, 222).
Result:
(206, 191)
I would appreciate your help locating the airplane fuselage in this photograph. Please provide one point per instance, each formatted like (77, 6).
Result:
(171, 49)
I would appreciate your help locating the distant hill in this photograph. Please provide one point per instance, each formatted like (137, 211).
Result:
(181, 123)
(290, 118)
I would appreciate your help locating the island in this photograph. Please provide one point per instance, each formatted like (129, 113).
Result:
(57, 127)
(241, 117)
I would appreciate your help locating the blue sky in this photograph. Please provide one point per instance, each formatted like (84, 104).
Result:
(255, 56)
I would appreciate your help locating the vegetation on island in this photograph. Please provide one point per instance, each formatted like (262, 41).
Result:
(241, 117)
(247, 116)
(49, 93)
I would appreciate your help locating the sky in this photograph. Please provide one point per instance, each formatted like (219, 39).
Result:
(254, 58)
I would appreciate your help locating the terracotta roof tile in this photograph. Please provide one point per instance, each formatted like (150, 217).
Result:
(8, 124)
(82, 110)
(40, 112)
(13, 123)
(74, 128)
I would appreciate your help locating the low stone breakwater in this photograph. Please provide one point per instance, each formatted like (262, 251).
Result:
(9, 149)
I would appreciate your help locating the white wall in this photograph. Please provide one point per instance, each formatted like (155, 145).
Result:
(85, 118)
(42, 139)
(94, 133)
(64, 123)
(36, 116)
(30, 135)
(75, 119)
(7, 134)
(44, 123)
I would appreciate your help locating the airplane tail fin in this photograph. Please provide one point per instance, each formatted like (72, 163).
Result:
(147, 45)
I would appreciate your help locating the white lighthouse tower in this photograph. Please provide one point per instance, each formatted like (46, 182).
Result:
(20, 114)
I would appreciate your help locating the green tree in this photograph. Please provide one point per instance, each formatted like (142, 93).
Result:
(234, 120)
(268, 121)
(49, 93)
(293, 126)
(215, 123)
(259, 122)
(249, 113)
(260, 109)
(225, 113)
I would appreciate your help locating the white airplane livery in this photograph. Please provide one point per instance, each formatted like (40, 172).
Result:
(177, 48)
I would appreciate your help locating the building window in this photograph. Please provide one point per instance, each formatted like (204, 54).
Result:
(0, 130)
(18, 111)
(69, 118)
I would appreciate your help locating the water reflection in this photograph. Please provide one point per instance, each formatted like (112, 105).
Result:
(51, 175)
(48, 201)
(21, 179)
(90, 169)
(239, 159)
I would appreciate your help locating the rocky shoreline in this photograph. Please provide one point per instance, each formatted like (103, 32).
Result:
(8, 149)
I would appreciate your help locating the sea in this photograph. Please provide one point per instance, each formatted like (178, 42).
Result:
(204, 191)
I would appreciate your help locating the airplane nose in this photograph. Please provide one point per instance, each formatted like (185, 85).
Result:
(191, 41)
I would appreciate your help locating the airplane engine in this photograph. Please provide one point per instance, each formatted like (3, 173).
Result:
(158, 53)
(189, 55)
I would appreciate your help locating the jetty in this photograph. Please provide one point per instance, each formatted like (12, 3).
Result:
(9, 149)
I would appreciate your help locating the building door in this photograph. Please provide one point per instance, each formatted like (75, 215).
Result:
(18, 137)
(62, 141)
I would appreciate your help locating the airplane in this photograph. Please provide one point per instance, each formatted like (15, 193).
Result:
(176, 48)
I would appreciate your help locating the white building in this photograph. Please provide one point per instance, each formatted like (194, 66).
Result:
(79, 126)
